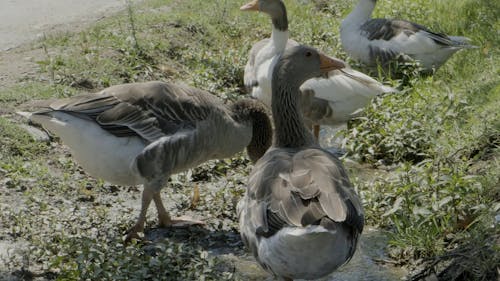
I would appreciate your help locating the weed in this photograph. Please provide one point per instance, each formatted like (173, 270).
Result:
(438, 139)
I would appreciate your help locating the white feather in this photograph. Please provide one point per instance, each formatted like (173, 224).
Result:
(347, 91)
(411, 45)
(305, 253)
(100, 153)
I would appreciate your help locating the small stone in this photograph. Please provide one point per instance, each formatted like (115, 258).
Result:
(8, 182)
(37, 134)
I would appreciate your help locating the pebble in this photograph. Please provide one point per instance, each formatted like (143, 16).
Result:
(37, 134)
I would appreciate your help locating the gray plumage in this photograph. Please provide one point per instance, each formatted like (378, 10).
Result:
(330, 100)
(386, 29)
(141, 133)
(300, 216)
(381, 41)
(276, 9)
(249, 78)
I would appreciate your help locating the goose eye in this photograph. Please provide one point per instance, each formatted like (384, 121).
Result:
(308, 54)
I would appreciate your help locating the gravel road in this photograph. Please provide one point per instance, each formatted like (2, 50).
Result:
(22, 21)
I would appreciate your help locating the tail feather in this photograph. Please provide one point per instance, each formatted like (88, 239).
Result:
(388, 89)
(33, 128)
(462, 42)
(24, 114)
(368, 81)
(34, 117)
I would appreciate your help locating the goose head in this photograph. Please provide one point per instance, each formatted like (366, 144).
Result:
(274, 8)
(295, 66)
(254, 111)
(301, 63)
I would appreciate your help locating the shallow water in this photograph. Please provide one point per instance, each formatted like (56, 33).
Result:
(366, 263)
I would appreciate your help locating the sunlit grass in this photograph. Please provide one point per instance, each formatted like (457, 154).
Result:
(439, 137)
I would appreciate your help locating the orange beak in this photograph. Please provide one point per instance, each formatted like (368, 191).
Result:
(251, 6)
(328, 64)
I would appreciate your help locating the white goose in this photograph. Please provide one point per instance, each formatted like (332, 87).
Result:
(142, 133)
(373, 41)
(300, 216)
(325, 101)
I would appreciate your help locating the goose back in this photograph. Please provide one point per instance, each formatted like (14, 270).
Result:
(381, 41)
(162, 128)
(329, 100)
(300, 216)
(294, 189)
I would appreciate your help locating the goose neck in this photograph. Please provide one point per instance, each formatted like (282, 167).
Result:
(280, 33)
(279, 38)
(253, 111)
(362, 12)
(289, 127)
(279, 17)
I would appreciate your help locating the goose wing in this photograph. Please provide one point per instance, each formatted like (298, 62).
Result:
(249, 77)
(150, 110)
(334, 100)
(289, 188)
(392, 38)
(387, 29)
(255, 61)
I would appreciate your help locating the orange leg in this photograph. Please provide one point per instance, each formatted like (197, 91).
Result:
(196, 197)
(316, 132)
(147, 196)
(164, 218)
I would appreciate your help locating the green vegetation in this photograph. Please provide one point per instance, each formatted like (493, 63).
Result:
(439, 139)
(442, 140)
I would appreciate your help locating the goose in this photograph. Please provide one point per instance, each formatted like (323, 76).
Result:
(324, 101)
(373, 41)
(141, 133)
(299, 216)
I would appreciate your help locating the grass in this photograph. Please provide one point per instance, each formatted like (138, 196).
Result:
(439, 140)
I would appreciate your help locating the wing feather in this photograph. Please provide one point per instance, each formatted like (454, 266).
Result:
(250, 77)
(131, 117)
(301, 188)
(387, 29)
(149, 110)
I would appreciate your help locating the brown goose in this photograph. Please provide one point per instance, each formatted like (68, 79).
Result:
(373, 41)
(300, 216)
(331, 100)
(142, 133)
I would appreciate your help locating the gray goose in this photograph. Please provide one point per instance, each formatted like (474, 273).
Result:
(141, 133)
(373, 41)
(331, 100)
(300, 216)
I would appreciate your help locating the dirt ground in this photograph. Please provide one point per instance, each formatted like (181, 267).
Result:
(23, 22)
